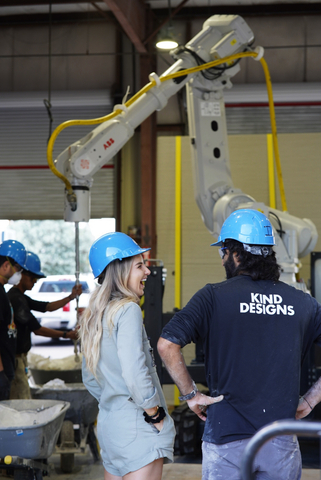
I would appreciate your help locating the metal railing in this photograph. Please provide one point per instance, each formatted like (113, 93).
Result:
(282, 427)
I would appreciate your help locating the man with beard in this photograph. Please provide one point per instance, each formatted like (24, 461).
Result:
(256, 331)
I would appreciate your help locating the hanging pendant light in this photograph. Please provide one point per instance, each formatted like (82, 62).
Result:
(166, 40)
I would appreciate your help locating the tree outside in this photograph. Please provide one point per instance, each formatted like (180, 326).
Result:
(54, 242)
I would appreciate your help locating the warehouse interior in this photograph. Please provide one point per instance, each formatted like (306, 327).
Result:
(64, 60)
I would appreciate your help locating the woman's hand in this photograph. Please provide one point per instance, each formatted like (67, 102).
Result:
(159, 425)
(151, 411)
(154, 413)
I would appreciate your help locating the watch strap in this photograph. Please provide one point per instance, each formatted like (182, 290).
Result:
(190, 395)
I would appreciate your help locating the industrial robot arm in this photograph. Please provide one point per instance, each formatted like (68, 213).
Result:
(216, 197)
(221, 36)
(215, 194)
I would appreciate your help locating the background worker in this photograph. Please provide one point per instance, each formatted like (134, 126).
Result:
(26, 322)
(256, 332)
(12, 257)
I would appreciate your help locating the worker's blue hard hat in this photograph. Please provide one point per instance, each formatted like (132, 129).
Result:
(33, 265)
(110, 247)
(247, 226)
(14, 250)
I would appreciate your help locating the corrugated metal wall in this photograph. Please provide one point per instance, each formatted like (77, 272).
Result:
(28, 189)
(297, 108)
(289, 119)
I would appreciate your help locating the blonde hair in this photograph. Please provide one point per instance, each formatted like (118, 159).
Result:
(113, 293)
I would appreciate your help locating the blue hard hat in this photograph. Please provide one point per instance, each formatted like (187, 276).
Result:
(110, 247)
(247, 226)
(33, 265)
(14, 250)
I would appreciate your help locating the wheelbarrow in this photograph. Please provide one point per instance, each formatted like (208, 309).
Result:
(29, 431)
(78, 428)
(41, 377)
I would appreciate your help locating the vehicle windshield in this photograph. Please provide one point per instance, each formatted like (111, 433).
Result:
(59, 286)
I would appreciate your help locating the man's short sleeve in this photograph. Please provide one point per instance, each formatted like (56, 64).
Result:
(22, 304)
(191, 323)
(36, 305)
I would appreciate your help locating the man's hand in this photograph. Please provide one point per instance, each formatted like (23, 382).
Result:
(200, 403)
(72, 334)
(303, 409)
(76, 290)
(4, 386)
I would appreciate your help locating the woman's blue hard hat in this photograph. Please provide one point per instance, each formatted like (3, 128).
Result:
(110, 247)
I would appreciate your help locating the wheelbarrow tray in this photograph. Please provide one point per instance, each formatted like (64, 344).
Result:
(31, 441)
(83, 408)
(68, 376)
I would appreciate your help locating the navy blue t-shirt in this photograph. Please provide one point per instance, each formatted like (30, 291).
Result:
(255, 336)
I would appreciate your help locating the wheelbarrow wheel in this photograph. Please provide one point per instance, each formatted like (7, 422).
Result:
(67, 440)
(92, 441)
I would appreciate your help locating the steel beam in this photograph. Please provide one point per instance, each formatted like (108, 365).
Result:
(131, 16)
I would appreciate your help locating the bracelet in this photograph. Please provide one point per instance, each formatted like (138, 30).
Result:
(189, 396)
(161, 414)
(64, 335)
(307, 403)
(155, 414)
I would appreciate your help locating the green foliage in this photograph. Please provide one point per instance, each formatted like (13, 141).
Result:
(54, 242)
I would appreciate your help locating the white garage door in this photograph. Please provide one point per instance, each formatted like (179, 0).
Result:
(28, 188)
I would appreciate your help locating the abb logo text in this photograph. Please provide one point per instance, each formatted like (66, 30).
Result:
(109, 143)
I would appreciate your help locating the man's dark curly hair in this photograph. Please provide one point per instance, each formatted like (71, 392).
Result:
(257, 266)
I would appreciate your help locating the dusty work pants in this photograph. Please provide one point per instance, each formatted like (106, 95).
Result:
(19, 386)
(278, 459)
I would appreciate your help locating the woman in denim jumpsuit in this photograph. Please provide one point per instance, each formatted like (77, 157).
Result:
(118, 366)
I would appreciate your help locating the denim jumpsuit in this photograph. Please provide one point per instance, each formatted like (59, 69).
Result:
(126, 382)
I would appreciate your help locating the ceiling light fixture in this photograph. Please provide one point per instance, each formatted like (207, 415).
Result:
(166, 39)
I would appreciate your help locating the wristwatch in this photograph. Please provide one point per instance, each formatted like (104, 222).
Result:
(189, 396)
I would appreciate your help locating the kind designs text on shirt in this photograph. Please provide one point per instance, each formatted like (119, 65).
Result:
(261, 304)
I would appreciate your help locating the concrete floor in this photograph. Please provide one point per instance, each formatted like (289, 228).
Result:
(86, 469)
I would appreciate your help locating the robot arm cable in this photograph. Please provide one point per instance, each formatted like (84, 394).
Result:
(274, 133)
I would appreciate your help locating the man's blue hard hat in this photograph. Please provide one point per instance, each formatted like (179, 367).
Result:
(14, 250)
(33, 265)
(110, 247)
(247, 226)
